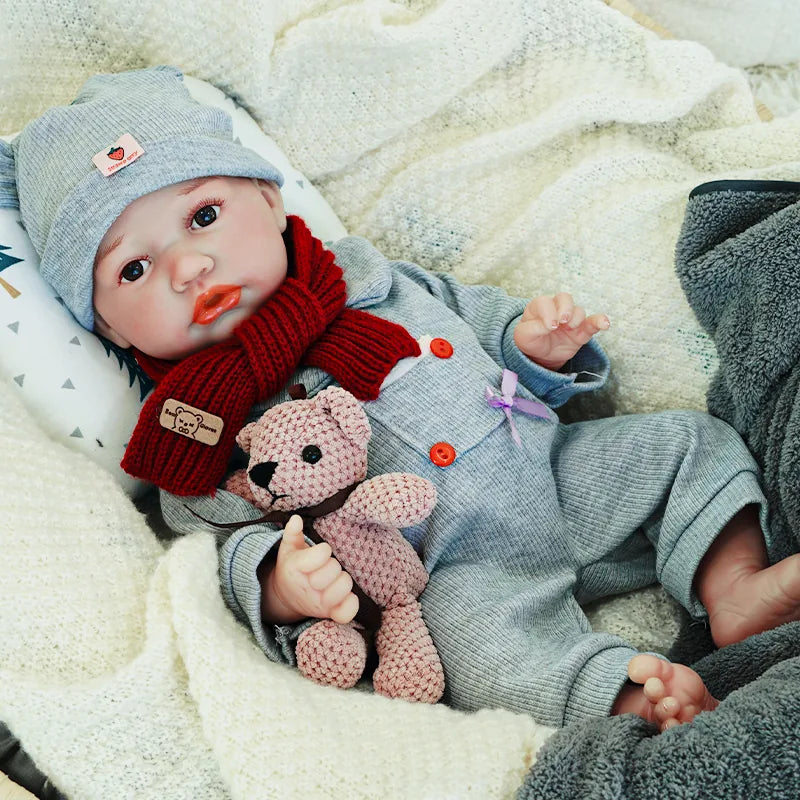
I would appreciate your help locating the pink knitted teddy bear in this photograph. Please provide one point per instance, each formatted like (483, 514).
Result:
(310, 456)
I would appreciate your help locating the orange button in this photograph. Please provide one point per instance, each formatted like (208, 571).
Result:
(441, 348)
(443, 454)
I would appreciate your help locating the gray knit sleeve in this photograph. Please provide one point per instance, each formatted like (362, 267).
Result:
(240, 554)
(493, 314)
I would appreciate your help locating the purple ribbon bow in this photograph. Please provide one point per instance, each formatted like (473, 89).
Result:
(506, 400)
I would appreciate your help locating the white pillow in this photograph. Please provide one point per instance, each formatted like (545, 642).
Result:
(82, 391)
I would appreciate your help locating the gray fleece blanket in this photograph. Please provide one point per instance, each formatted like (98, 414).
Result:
(738, 259)
(748, 748)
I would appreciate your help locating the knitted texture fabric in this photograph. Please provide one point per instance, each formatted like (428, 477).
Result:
(303, 322)
(331, 654)
(748, 36)
(128, 677)
(408, 664)
(580, 132)
(581, 135)
(303, 452)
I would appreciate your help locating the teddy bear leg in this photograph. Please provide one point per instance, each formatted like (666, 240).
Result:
(408, 664)
(332, 654)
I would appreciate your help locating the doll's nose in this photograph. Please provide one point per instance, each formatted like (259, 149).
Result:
(186, 266)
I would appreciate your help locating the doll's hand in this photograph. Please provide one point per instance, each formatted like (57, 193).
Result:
(553, 329)
(305, 582)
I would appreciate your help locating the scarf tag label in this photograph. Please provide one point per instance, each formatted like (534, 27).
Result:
(125, 150)
(191, 422)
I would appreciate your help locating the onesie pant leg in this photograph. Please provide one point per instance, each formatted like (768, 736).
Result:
(671, 480)
(508, 641)
(589, 509)
(500, 601)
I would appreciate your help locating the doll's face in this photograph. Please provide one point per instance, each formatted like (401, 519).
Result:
(181, 267)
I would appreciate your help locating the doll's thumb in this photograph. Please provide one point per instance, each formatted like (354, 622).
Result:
(293, 534)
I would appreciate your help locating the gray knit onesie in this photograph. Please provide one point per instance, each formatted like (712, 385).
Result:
(521, 534)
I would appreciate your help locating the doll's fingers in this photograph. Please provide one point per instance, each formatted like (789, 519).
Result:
(292, 539)
(337, 591)
(313, 557)
(577, 318)
(544, 310)
(654, 689)
(531, 329)
(324, 576)
(294, 525)
(589, 327)
(346, 610)
(666, 709)
(564, 305)
(597, 322)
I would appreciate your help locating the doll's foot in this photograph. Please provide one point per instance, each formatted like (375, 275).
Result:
(668, 694)
(755, 600)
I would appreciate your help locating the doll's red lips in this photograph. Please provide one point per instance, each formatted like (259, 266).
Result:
(216, 301)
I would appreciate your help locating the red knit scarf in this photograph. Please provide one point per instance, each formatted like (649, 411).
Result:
(303, 322)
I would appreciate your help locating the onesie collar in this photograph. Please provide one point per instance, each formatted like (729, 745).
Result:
(366, 272)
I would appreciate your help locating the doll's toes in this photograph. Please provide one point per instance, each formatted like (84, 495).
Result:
(667, 708)
(688, 713)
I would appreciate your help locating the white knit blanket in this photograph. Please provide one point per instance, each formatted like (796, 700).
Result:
(544, 145)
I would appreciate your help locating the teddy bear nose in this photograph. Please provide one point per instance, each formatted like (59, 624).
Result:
(261, 474)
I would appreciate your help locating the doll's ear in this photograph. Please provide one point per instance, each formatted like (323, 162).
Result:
(245, 436)
(105, 330)
(347, 412)
(8, 177)
(271, 192)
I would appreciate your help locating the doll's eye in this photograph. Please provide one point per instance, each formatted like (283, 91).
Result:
(311, 453)
(205, 216)
(134, 270)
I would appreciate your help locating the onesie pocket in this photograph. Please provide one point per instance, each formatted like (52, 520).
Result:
(438, 405)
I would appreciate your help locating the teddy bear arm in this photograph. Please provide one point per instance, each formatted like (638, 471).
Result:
(377, 557)
(395, 498)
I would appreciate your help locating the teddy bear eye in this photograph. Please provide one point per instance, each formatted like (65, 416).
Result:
(311, 453)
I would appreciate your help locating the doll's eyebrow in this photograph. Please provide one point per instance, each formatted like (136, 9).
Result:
(101, 254)
(195, 184)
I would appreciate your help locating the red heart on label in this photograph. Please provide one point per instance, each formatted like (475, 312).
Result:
(116, 153)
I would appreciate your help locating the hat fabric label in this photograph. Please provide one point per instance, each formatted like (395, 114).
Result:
(124, 151)
(191, 422)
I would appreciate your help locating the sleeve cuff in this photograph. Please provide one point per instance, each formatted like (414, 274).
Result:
(587, 371)
(239, 558)
(597, 685)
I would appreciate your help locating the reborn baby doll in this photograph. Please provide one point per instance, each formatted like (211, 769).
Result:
(182, 250)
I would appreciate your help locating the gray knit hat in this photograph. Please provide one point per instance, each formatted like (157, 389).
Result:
(67, 204)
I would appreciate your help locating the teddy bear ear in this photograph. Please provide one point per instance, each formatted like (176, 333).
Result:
(245, 436)
(347, 412)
